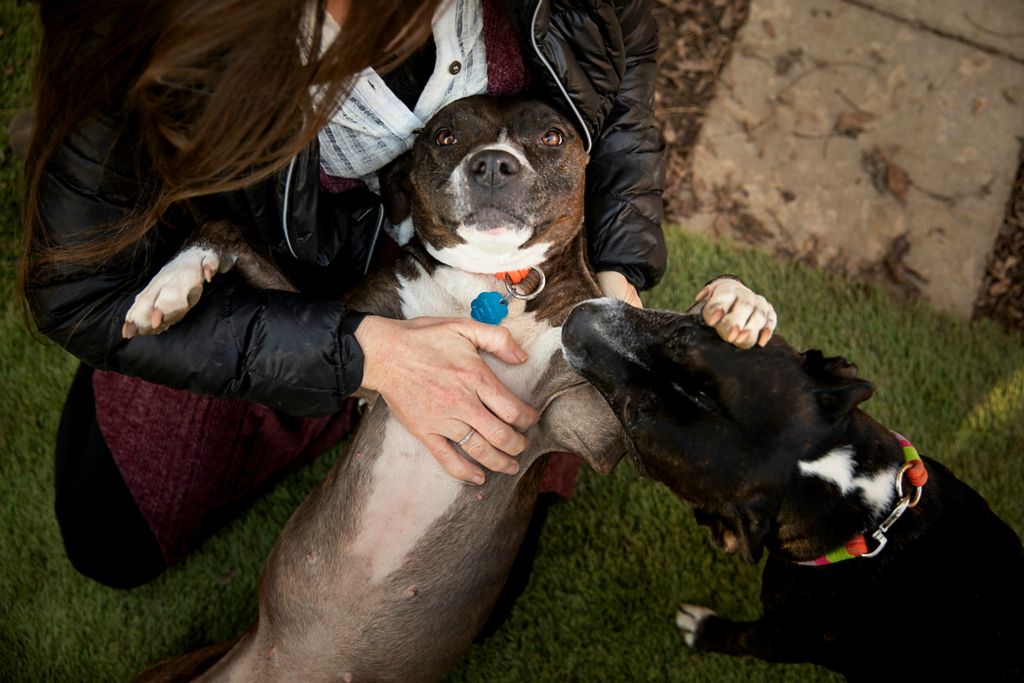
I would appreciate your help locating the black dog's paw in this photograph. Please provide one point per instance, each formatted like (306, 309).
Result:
(689, 619)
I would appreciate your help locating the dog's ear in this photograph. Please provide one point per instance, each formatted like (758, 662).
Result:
(741, 527)
(396, 188)
(840, 390)
(840, 398)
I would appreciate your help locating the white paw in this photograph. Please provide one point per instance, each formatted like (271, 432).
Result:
(172, 292)
(738, 315)
(688, 621)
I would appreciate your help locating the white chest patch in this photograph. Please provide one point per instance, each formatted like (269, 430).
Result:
(450, 292)
(483, 252)
(837, 467)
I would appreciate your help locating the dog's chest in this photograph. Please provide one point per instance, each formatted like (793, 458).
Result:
(410, 491)
(450, 293)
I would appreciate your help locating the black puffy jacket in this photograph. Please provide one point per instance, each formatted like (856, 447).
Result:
(593, 59)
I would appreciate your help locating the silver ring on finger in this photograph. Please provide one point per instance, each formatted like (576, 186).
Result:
(464, 440)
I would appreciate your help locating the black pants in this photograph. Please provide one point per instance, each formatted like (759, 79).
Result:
(105, 536)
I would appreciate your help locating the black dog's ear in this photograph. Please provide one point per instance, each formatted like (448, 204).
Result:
(396, 188)
(841, 391)
(741, 528)
(839, 399)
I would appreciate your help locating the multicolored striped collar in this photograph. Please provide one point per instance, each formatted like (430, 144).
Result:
(914, 469)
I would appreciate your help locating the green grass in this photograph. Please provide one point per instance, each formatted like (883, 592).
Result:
(612, 563)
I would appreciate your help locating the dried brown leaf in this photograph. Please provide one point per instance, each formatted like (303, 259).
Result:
(728, 19)
(750, 229)
(885, 175)
(851, 123)
(999, 288)
(898, 181)
(786, 60)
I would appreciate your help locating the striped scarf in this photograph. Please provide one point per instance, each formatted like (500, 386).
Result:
(373, 127)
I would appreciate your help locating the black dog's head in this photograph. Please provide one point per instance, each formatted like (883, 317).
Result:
(724, 428)
(491, 184)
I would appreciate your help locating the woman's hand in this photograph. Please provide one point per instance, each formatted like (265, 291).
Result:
(615, 285)
(430, 372)
(738, 315)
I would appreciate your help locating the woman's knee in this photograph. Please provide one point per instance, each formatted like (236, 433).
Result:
(105, 535)
(108, 556)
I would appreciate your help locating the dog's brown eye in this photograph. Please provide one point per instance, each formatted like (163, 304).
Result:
(552, 137)
(445, 137)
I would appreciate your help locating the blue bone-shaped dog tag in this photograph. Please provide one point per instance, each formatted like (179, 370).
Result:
(488, 307)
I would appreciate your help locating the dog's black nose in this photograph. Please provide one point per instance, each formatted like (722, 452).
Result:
(493, 167)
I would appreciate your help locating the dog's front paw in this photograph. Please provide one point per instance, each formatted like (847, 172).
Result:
(740, 316)
(688, 621)
(172, 292)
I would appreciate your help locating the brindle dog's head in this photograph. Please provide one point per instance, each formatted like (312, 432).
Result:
(491, 184)
(724, 428)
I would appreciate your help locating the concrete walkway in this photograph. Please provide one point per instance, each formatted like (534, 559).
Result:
(875, 138)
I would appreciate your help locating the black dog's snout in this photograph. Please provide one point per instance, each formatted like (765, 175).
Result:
(582, 319)
(588, 323)
(493, 168)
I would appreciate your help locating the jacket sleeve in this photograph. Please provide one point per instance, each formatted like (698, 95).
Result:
(281, 349)
(626, 174)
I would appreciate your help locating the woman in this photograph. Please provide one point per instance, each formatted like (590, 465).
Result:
(150, 115)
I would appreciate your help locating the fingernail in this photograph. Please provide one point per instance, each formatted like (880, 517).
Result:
(520, 355)
(512, 469)
(733, 334)
(128, 330)
(478, 479)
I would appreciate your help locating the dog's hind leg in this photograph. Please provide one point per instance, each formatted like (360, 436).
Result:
(216, 247)
(187, 667)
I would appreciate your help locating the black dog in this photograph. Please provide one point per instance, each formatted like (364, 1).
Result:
(770, 448)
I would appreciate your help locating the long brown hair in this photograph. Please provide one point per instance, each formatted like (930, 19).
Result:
(218, 93)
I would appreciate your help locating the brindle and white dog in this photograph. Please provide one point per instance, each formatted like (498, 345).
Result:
(390, 567)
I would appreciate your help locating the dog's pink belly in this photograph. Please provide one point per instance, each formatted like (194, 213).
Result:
(409, 492)
(393, 582)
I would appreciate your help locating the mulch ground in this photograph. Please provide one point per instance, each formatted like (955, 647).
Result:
(1001, 296)
(696, 43)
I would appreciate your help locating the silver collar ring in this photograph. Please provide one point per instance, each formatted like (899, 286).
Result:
(515, 293)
